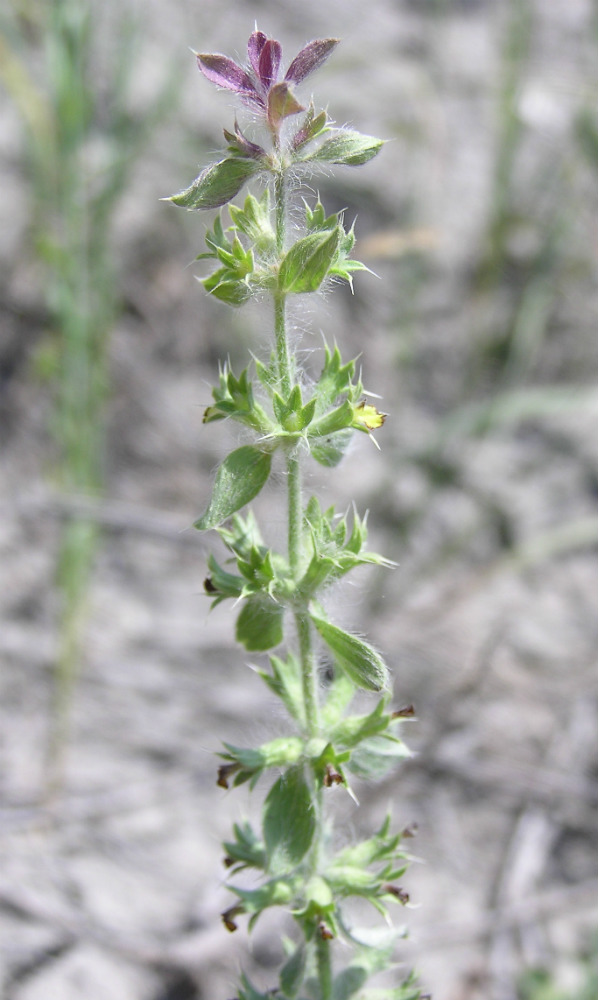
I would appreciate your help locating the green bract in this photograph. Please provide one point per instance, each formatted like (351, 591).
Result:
(308, 262)
(287, 418)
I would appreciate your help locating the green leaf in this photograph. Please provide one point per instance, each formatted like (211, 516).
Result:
(409, 990)
(329, 451)
(336, 378)
(249, 992)
(246, 850)
(286, 682)
(350, 880)
(335, 420)
(381, 847)
(293, 972)
(357, 658)
(223, 285)
(220, 584)
(355, 728)
(216, 184)
(307, 263)
(347, 147)
(339, 696)
(316, 218)
(255, 221)
(259, 625)
(377, 756)
(368, 961)
(312, 126)
(239, 479)
(348, 982)
(276, 892)
(317, 891)
(281, 752)
(289, 821)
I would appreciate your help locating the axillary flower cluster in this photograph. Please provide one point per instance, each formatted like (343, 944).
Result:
(315, 667)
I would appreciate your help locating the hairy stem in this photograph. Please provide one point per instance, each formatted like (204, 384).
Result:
(295, 510)
(309, 673)
(324, 968)
(282, 347)
(295, 513)
(281, 209)
(280, 325)
(295, 531)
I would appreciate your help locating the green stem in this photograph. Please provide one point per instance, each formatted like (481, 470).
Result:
(280, 326)
(295, 513)
(280, 197)
(295, 510)
(282, 347)
(309, 674)
(324, 968)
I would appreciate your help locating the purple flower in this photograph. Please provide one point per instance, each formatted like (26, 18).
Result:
(259, 84)
(310, 58)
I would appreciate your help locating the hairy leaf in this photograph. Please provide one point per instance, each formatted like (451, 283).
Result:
(293, 971)
(259, 625)
(375, 757)
(216, 184)
(307, 263)
(357, 658)
(346, 147)
(310, 58)
(289, 821)
(286, 682)
(330, 450)
(239, 479)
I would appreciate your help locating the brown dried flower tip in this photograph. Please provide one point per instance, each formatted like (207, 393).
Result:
(225, 771)
(332, 777)
(410, 831)
(228, 917)
(404, 713)
(397, 892)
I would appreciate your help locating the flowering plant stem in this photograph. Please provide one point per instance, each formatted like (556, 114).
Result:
(300, 866)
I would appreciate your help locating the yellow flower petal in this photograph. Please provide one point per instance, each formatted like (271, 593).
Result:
(367, 417)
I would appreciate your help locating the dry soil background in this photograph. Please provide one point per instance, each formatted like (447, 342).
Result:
(485, 492)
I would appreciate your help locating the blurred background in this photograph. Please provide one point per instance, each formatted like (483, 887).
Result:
(480, 219)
